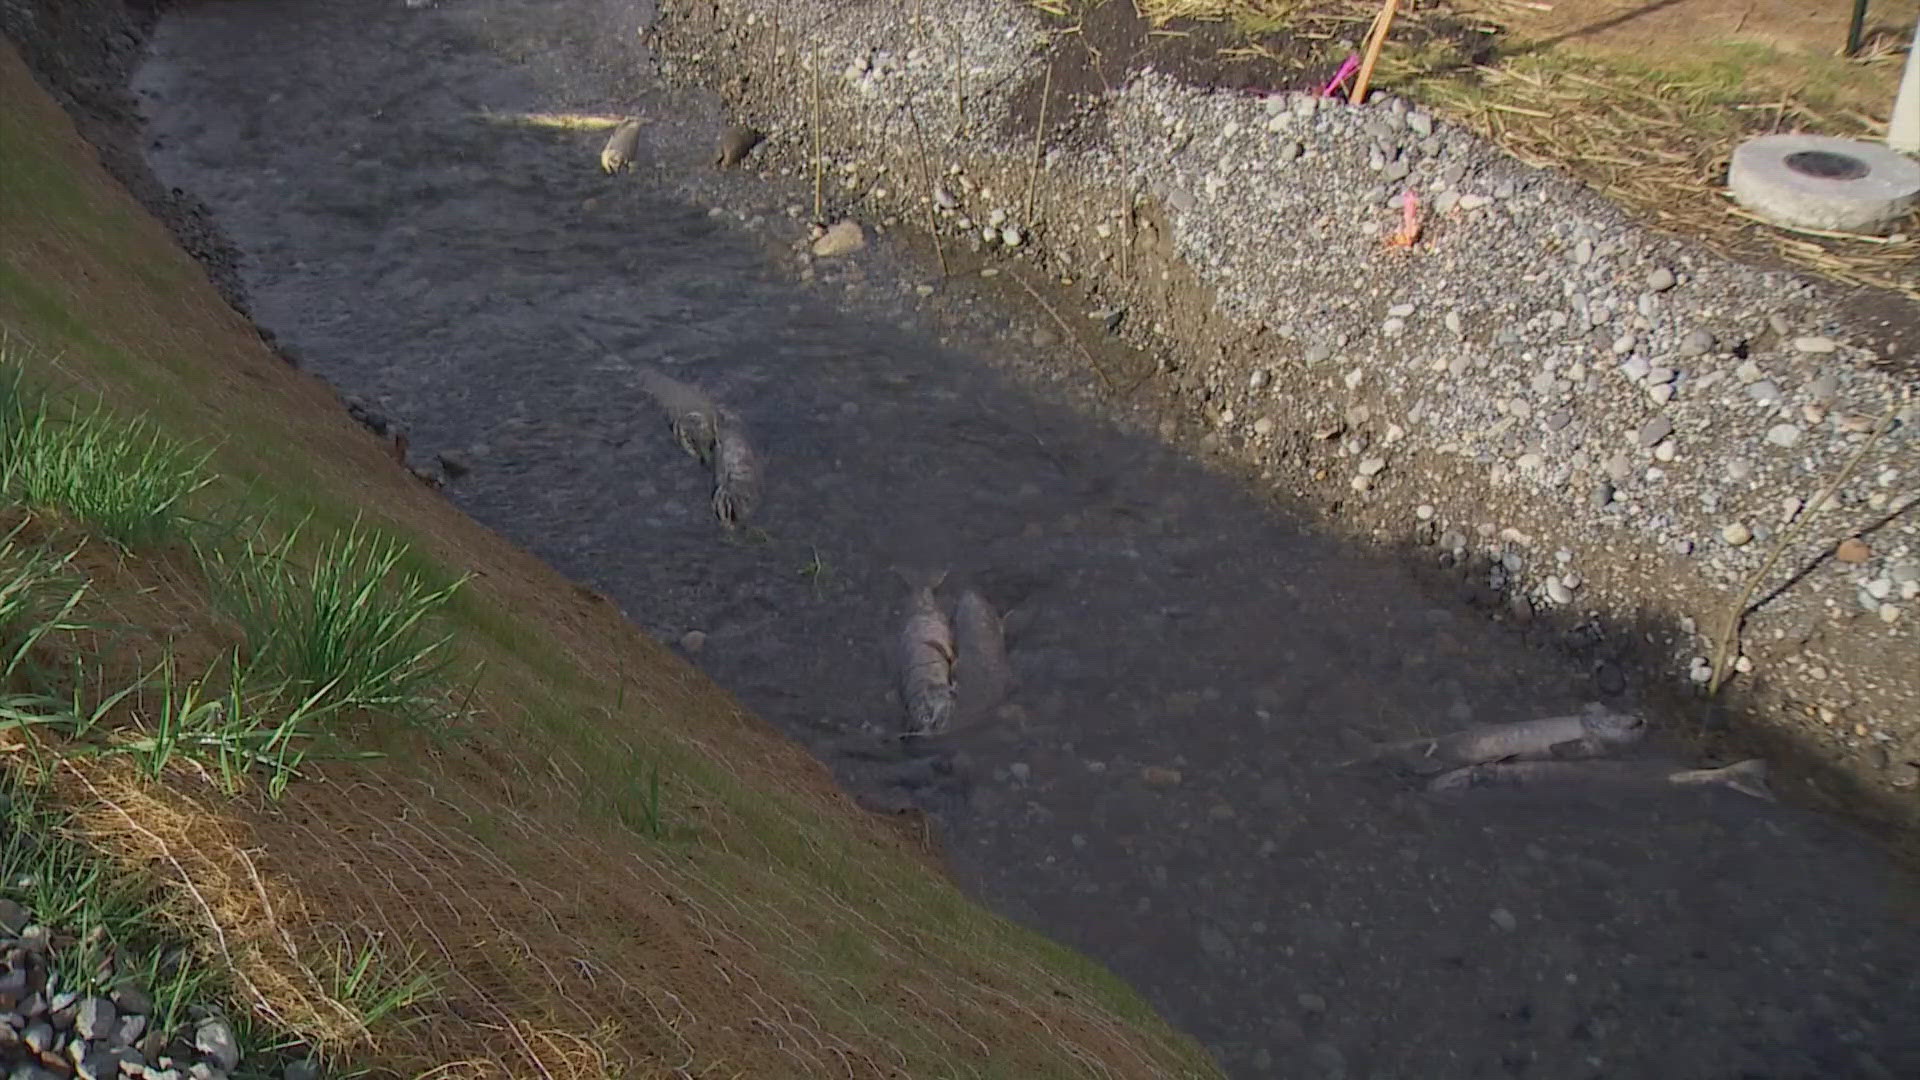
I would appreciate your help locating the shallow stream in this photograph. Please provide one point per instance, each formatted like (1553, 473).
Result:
(481, 281)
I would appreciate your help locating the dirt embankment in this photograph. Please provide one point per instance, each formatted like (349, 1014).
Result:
(1583, 425)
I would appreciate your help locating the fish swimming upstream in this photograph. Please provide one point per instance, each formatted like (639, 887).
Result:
(926, 658)
(1593, 733)
(980, 660)
(736, 471)
(1747, 777)
(621, 147)
(694, 416)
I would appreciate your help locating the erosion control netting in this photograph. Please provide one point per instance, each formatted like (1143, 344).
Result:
(566, 947)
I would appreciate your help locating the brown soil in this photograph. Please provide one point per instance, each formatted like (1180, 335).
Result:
(1640, 27)
(1104, 43)
(770, 930)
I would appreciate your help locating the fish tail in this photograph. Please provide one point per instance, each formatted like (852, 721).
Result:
(920, 577)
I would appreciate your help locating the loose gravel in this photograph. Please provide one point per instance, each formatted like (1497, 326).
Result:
(1557, 382)
(105, 1026)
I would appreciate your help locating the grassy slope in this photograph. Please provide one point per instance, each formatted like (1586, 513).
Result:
(741, 919)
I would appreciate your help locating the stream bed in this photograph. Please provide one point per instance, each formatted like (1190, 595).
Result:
(1161, 792)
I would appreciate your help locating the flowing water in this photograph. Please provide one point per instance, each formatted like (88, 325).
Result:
(480, 280)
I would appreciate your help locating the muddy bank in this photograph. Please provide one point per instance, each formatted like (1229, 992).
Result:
(1599, 430)
(1189, 663)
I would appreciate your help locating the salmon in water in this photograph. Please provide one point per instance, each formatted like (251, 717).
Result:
(926, 657)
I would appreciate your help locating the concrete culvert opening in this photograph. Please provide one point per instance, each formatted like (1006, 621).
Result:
(1827, 166)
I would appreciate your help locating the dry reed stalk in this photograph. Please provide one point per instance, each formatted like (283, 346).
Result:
(959, 87)
(1039, 142)
(819, 178)
(1065, 329)
(926, 177)
(1730, 631)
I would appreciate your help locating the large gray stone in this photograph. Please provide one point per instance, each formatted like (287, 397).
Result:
(1820, 182)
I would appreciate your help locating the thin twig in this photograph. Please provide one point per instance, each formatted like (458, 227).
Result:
(959, 88)
(926, 176)
(1730, 632)
(819, 200)
(1824, 234)
(1039, 141)
(1065, 329)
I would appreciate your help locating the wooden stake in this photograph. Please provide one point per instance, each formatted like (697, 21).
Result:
(1374, 43)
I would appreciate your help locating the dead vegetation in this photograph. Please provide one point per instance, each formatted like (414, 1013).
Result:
(1563, 85)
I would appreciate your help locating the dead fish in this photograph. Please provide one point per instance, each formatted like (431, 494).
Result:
(694, 416)
(1747, 777)
(621, 147)
(735, 145)
(736, 471)
(926, 657)
(980, 662)
(1589, 734)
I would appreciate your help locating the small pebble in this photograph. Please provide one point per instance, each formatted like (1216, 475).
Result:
(1815, 345)
(1853, 550)
(1505, 920)
(1783, 434)
(1654, 430)
(1160, 776)
(1660, 279)
(1736, 534)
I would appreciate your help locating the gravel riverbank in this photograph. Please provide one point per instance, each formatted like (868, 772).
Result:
(1595, 428)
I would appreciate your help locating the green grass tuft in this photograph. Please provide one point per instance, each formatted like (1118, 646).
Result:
(121, 479)
(378, 979)
(351, 633)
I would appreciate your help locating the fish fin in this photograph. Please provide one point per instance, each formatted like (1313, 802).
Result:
(1571, 750)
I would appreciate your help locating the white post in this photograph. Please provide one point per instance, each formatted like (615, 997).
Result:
(1903, 133)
